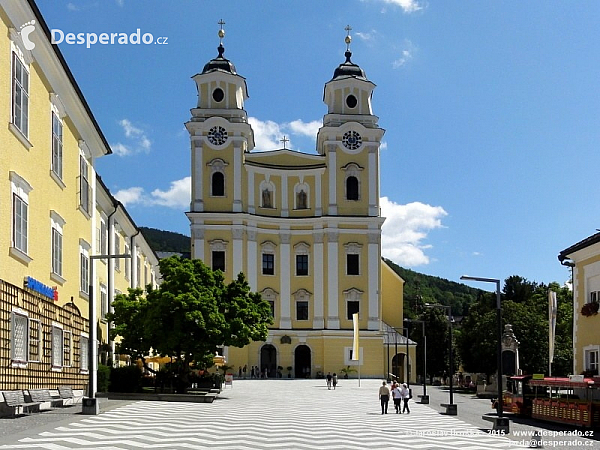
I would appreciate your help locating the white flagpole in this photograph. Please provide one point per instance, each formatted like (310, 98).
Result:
(355, 344)
(552, 307)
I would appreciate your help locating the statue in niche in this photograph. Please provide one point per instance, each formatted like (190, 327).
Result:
(266, 198)
(301, 200)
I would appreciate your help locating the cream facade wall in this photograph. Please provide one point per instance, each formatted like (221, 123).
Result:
(586, 288)
(304, 228)
(55, 214)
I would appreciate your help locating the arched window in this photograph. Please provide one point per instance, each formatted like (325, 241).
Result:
(218, 184)
(352, 188)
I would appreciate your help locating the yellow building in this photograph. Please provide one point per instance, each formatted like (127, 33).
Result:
(56, 216)
(304, 228)
(584, 258)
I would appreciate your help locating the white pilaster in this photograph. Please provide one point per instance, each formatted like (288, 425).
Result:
(333, 318)
(373, 182)
(250, 200)
(332, 181)
(252, 263)
(134, 255)
(285, 212)
(238, 250)
(198, 237)
(318, 205)
(373, 281)
(237, 180)
(285, 319)
(197, 176)
(318, 270)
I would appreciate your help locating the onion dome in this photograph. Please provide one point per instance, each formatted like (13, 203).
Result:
(348, 68)
(220, 62)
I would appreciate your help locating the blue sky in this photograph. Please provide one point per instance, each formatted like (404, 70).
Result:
(491, 112)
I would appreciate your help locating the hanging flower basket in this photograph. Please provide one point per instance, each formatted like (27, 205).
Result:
(590, 309)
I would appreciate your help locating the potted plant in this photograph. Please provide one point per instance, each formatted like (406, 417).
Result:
(590, 309)
(289, 369)
(347, 371)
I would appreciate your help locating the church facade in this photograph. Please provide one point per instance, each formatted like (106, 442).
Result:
(305, 229)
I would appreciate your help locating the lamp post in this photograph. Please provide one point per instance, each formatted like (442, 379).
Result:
(93, 354)
(451, 407)
(499, 402)
(425, 397)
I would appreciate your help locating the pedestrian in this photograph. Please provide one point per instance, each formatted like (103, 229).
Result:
(329, 379)
(240, 372)
(405, 393)
(397, 396)
(334, 380)
(245, 369)
(384, 397)
(252, 373)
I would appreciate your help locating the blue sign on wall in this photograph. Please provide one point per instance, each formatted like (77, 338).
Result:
(41, 288)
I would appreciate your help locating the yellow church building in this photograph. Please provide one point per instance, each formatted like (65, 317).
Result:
(304, 228)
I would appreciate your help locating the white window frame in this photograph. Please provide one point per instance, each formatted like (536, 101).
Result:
(56, 162)
(268, 248)
(266, 184)
(85, 192)
(103, 301)
(218, 245)
(218, 165)
(67, 348)
(21, 120)
(20, 226)
(270, 296)
(353, 295)
(84, 353)
(302, 295)
(591, 362)
(302, 249)
(352, 170)
(57, 347)
(35, 324)
(127, 262)
(56, 242)
(297, 189)
(353, 248)
(348, 361)
(19, 355)
(117, 250)
(84, 267)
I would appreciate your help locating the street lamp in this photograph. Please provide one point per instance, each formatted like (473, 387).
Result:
(93, 354)
(499, 403)
(425, 397)
(451, 408)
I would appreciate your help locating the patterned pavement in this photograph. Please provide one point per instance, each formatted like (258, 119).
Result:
(267, 414)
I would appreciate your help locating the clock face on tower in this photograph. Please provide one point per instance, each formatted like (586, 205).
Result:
(351, 140)
(217, 135)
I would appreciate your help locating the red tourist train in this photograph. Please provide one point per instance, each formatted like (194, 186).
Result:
(574, 400)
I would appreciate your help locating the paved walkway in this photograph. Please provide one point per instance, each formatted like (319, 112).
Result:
(263, 414)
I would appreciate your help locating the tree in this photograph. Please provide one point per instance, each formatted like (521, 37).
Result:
(190, 315)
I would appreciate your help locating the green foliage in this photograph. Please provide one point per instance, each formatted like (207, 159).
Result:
(420, 289)
(103, 378)
(126, 379)
(166, 241)
(525, 307)
(191, 313)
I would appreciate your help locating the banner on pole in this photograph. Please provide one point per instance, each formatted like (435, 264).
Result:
(355, 347)
(552, 306)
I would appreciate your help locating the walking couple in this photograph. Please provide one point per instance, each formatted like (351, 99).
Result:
(400, 393)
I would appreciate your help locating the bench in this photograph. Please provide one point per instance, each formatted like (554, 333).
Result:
(16, 400)
(67, 395)
(43, 396)
(501, 424)
(451, 408)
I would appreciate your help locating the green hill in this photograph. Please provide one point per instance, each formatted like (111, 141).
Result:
(166, 241)
(420, 288)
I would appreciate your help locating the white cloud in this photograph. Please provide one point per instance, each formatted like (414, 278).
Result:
(72, 7)
(176, 197)
(408, 6)
(407, 54)
(136, 139)
(130, 196)
(366, 36)
(309, 129)
(268, 134)
(405, 228)
(120, 2)
(383, 145)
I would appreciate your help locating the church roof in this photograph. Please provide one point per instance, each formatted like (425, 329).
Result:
(349, 69)
(220, 63)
